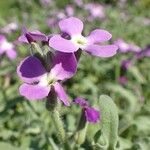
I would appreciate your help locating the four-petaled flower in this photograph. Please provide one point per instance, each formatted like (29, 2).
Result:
(39, 81)
(92, 115)
(7, 48)
(72, 39)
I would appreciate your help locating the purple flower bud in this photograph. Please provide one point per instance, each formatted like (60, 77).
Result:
(123, 80)
(33, 36)
(144, 53)
(91, 114)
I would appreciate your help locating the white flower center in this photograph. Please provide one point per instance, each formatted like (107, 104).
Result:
(44, 80)
(47, 80)
(79, 40)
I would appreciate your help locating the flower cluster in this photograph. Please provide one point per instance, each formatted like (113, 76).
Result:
(42, 77)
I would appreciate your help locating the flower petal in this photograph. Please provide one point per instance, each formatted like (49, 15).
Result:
(30, 69)
(102, 51)
(34, 92)
(38, 36)
(71, 25)
(61, 93)
(22, 39)
(64, 66)
(11, 54)
(92, 115)
(62, 45)
(2, 38)
(82, 102)
(29, 37)
(99, 35)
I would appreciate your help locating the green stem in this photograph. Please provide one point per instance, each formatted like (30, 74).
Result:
(59, 126)
(80, 134)
(117, 72)
(53, 106)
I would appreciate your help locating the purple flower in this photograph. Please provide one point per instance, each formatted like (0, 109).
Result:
(144, 53)
(32, 36)
(51, 22)
(46, 2)
(69, 10)
(125, 47)
(7, 48)
(78, 2)
(39, 82)
(72, 40)
(125, 64)
(13, 26)
(122, 80)
(95, 11)
(92, 115)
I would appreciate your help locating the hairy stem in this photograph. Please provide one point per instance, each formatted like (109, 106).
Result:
(53, 106)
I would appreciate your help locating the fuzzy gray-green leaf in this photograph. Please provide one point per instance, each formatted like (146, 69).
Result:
(109, 122)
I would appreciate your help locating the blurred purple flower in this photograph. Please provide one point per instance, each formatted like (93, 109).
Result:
(39, 82)
(125, 64)
(144, 53)
(32, 36)
(78, 2)
(95, 11)
(72, 40)
(125, 47)
(92, 115)
(51, 22)
(69, 10)
(61, 15)
(7, 48)
(9, 28)
(46, 2)
(123, 80)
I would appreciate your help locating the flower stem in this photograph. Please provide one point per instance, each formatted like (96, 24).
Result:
(80, 134)
(59, 126)
(53, 105)
(117, 72)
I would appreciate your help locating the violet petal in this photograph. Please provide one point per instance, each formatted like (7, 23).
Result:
(30, 69)
(61, 93)
(64, 65)
(62, 45)
(92, 115)
(99, 35)
(34, 92)
(102, 51)
(71, 25)
(82, 102)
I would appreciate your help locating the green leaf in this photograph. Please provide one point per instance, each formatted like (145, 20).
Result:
(124, 144)
(125, 93)
(4, 146)
(137, 74)
(109, 122)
